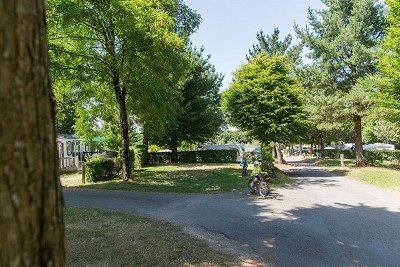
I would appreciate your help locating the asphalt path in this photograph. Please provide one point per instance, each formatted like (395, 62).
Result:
(319, 220)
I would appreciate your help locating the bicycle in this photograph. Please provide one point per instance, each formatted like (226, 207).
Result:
(261, 185)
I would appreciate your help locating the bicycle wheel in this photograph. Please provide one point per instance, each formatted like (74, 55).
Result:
(250, 187)
(264, 189)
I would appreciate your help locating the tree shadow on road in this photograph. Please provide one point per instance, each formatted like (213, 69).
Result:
(339, 235)
(311, 176)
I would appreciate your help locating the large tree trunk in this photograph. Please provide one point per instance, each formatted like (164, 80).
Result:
(120, 94)
(274, 153)
(279, 155)
(358, 141)
(322, 147)
(31, 217)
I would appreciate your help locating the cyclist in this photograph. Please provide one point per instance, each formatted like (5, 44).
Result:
(256, 173)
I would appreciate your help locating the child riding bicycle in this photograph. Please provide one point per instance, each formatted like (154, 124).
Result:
(256, 173)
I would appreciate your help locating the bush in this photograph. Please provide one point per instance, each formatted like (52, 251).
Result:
(117, 165)
(376, 158)
(382, 157)
(267, 158)
(139, 156)
(100, 169)
(335, 153)
(201, 156)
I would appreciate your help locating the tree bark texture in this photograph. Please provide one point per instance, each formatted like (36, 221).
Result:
(120, 94)
(360, 161)
(279, 155)
(31, 207)
(322, 147)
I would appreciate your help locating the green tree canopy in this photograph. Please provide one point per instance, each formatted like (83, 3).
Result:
(197, 118)
(264, 100)
(343, 39)
(113, 45)
(389, 63)
(271, 45)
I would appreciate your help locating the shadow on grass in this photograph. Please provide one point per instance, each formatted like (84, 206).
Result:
(178, 181)
(188, 178)
(341, 233)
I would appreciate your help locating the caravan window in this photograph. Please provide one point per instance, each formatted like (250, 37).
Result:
(69, 148)
(61, 150)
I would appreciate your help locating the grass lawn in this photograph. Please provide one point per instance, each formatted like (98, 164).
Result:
(385, 178)
(185, 178)
(103, 238)
(381, 177)
(330, 162)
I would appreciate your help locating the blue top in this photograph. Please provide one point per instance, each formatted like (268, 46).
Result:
(245, 163)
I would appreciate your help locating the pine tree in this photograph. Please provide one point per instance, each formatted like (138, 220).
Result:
(342, 39)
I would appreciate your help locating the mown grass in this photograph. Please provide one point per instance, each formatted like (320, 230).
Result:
(330, 162)
(103, 238)
(384, 178)
(185, 178)
(381, 177)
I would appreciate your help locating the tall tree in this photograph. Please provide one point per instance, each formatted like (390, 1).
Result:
(342, 39)
(264, 100)
(66, 100)
(389, 64)
(114, 41)
(31, 217)
(271, 45)
(197, 118)
(321, 102)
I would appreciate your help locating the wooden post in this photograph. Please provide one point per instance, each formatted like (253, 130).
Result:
(342, 160)
(83, 173)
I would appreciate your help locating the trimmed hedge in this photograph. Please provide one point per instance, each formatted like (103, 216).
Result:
(372, 157)
(335, 153)
(100, 169)
(382, 157)
(200, 156)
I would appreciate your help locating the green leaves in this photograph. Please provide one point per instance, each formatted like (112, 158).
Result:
(135, 45)
(265, 101)
(389, 63)
(198, 117)
(343, 39)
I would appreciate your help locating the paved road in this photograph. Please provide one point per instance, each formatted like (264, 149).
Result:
(319, 220)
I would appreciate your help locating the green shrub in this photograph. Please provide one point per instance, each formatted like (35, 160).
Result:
(201, 156)
(267, 158)
(117, 165)
(376, 158)
(335, 153)
(140, 156)
(187, 157)
(100, 169)
(382, 157)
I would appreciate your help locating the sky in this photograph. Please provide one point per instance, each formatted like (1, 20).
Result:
(229, 27)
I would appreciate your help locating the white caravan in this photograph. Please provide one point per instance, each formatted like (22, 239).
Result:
(236, 147)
